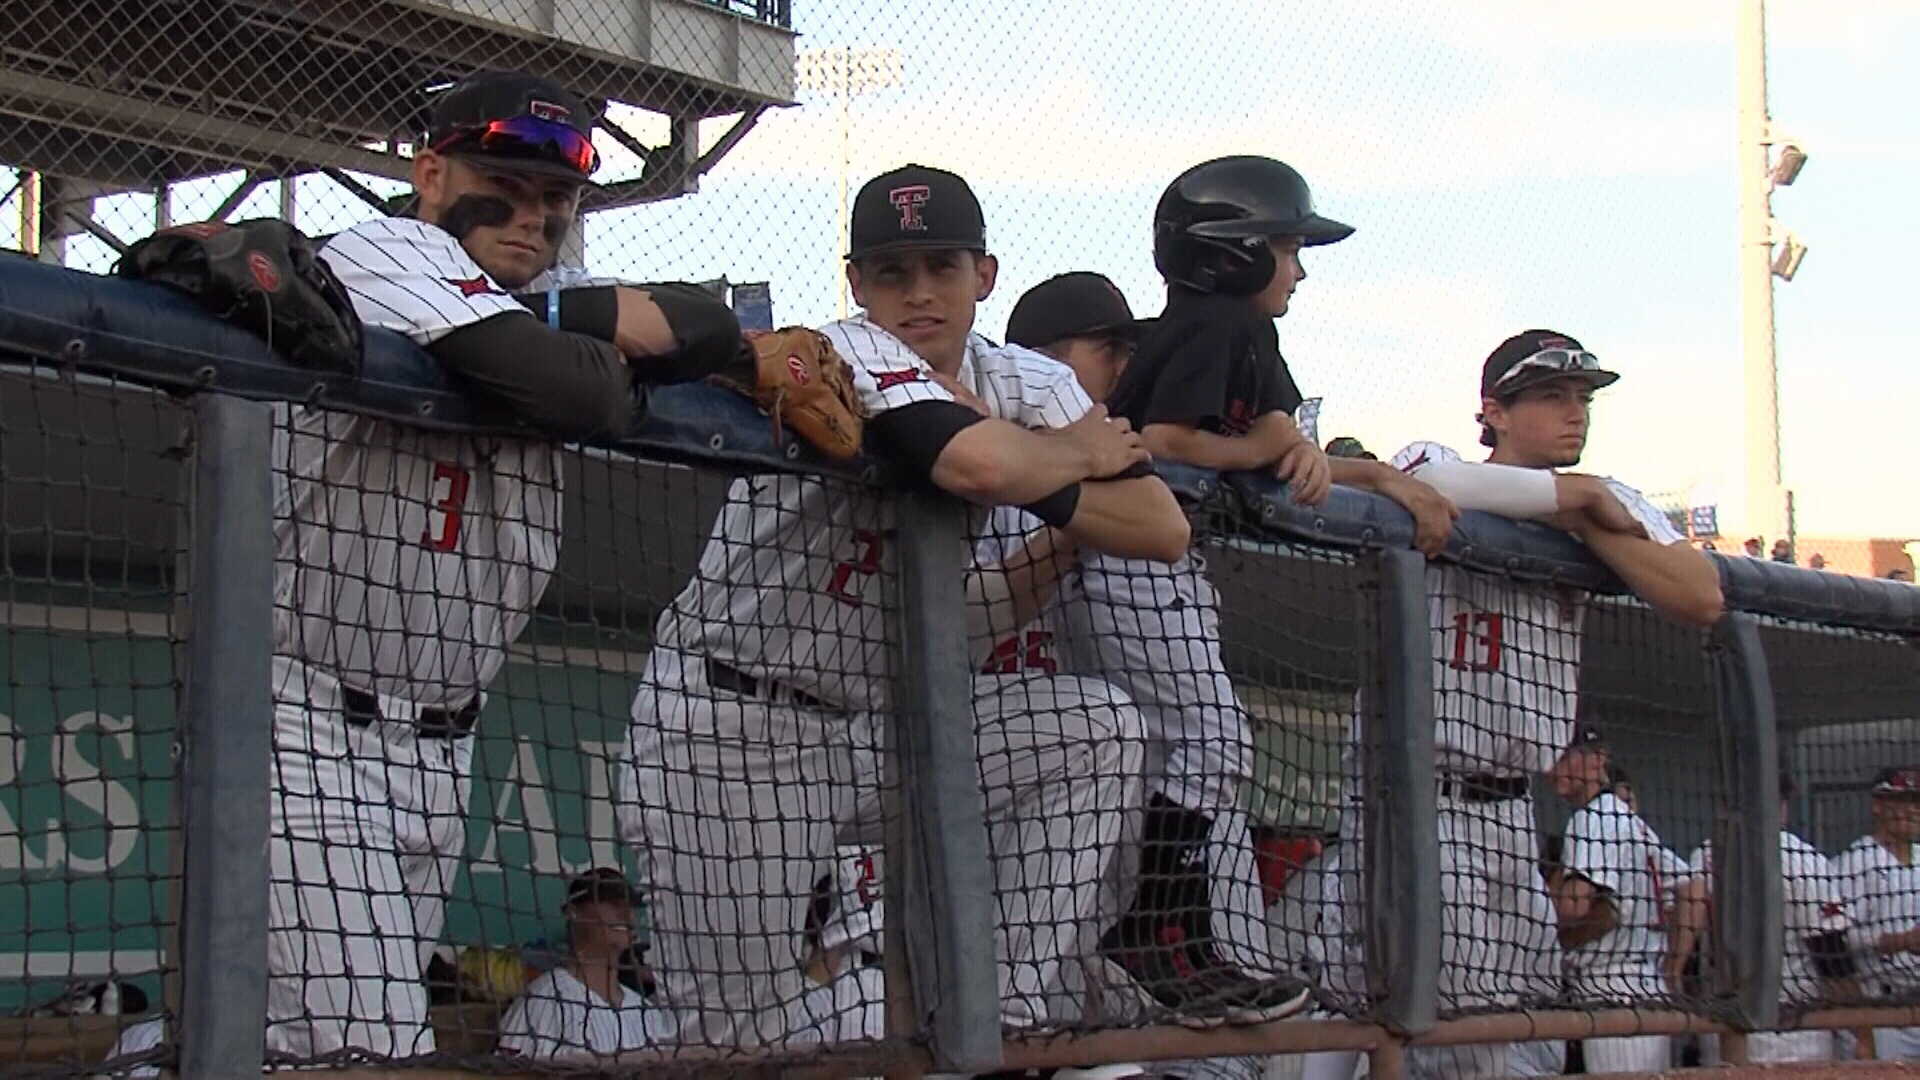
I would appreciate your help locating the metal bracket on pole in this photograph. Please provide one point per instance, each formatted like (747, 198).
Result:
(940, 873)
(226, 760)
(1746, 833)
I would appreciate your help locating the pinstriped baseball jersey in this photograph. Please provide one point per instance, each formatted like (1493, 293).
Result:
(1612, 847)
(791, 584)
(1883, 895)
(407, 560)
(1811, 905)
(1506, 655)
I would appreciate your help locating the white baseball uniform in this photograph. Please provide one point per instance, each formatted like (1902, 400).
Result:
(1883, 897)
(852, 1005)
(1811, 905)
(1620, 854)
(756, 730)
(1506, 658)
(138, 1039)
(557, 1015)
(407, 561)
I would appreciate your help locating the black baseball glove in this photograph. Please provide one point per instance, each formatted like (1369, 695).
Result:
(263, 275)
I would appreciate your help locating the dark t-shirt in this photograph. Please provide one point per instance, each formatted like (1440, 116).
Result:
(1209, 362)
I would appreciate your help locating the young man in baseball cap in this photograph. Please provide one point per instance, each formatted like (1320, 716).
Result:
(1507, 654)
(769, 668)
(581, 1007)
(1082, 320)
(1879, 877)
(379, 677)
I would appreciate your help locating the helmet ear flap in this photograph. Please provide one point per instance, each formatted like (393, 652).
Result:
(1239, 267)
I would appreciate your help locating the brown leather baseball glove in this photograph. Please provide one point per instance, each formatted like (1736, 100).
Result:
(803, 384)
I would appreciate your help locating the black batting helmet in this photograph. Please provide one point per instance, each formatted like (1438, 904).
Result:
(1211, 228)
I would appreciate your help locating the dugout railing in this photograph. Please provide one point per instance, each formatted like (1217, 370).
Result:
(136, 527)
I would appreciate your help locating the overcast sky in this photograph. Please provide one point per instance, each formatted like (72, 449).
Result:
(1508, 163)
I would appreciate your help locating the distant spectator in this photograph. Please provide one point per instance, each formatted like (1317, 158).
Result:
(1346, 446)
(1753, 547)
(1783, 552)
(581, 1007)
(1818, 562)
(1899, 573)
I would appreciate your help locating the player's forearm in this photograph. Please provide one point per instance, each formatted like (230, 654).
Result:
(1361, 474)
(994, 463)
(1002, 599)
(1675, 580)
(1135, 519)
(567, 384)
(1264, 444)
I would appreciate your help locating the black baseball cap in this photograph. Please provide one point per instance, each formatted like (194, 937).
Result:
(601, 884)
(1078, 304)
(1898, 781)
(915, 206)
(1587, 737)
(1499, 379)
(462, 112)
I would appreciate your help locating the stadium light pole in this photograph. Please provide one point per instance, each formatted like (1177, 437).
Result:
(1767, 251)
(845, 73)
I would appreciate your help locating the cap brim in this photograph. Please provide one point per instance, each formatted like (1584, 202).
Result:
(524, 167)
(1594, 380)
(911, 245)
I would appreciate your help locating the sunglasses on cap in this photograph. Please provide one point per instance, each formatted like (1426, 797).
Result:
(1557, 361)
(1898, 783)
(526, 137)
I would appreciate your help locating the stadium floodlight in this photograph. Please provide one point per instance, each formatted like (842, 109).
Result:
(1787, 166)
(1786, 261)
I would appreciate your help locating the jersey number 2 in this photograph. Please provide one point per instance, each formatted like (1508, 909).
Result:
(1476, 641)
(865, 564)
(450, 483)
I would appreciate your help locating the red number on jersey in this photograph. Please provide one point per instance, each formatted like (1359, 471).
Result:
(865, 564)
(450, 483)
(1029, 652)
(869, 883)
(1476, 641)
(1659, 892)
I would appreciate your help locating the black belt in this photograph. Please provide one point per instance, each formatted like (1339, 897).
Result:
(1484, 787)
(363, 709)
(726, 677)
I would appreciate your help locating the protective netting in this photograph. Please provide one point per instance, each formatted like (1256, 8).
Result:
(559, 728)
(91, 500)
(1847, 744)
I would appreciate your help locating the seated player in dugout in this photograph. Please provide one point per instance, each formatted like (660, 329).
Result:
(581, 1007)
(758, 716)
(379, 675)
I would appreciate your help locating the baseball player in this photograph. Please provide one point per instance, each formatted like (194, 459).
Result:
(1817, 961)
(755, 733)
(1610, 896)
(581, 1007)
(1880, 880)
(848, 1001)
(408, 560)
(1506, 668)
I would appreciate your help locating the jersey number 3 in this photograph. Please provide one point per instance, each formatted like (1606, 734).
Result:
(1476, 641)
(450, 483)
